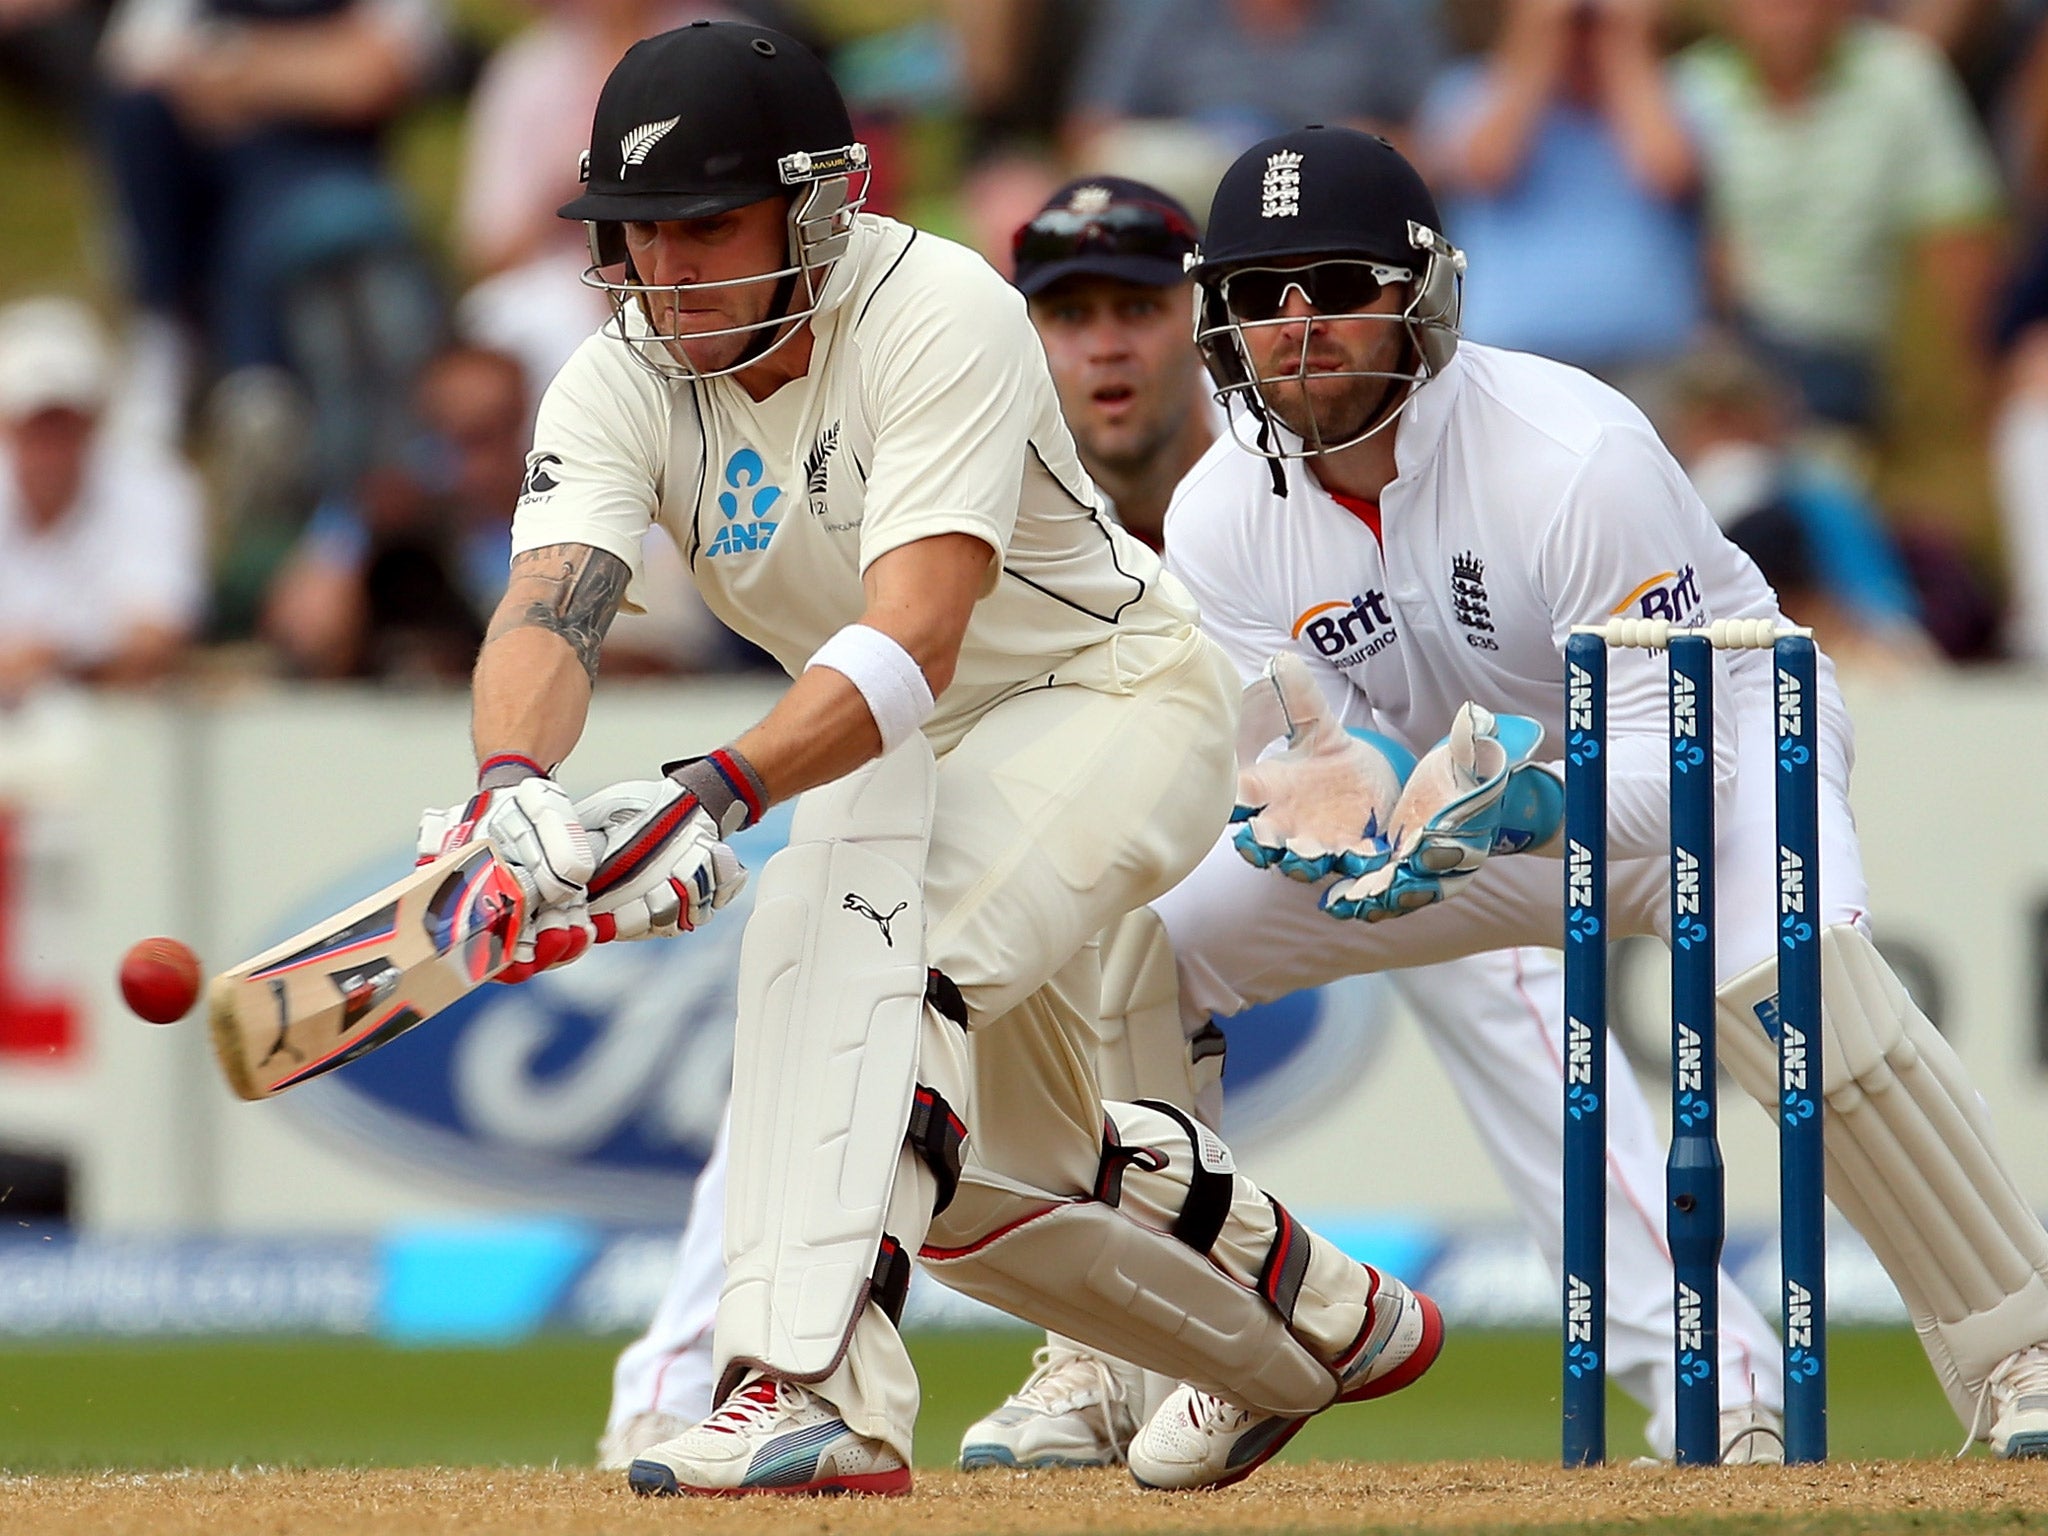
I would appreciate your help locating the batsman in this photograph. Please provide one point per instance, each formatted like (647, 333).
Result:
(1007, 731)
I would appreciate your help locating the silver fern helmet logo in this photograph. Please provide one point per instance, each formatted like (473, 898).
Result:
(1280, 192)
(637, 145)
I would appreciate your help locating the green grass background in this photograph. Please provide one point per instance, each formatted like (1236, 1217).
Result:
(346, 1403)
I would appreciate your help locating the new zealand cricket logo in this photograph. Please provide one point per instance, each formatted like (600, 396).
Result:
(818, 468)
(857, 903)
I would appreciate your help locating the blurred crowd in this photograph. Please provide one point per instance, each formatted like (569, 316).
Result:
(290, 440)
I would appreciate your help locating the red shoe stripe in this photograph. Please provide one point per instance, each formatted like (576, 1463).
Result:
(1408, 1371)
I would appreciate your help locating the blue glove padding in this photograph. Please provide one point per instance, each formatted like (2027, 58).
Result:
(1531, 810)
(1451, 817)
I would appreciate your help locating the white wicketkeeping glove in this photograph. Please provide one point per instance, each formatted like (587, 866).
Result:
(665, 868)
(1320, 805)
(1448, 820)
(534, 827)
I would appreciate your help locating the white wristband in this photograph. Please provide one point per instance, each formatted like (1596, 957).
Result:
(888, 678)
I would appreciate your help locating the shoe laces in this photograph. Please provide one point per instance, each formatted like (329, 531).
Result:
(1747, 1423)
(1212, 1414)
(1066, 1379)
(2023, 1373)
(753, 1406)
(1062, 1377)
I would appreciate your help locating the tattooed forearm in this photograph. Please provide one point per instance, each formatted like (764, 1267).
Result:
(571, 590)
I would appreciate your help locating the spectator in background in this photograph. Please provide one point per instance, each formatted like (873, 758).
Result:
(1566, 174)
(2019, 453)
(2019, 439)
(1016, 64)
(46, 51)
(399, 584)
(1835, 147)
(528, 122)
(1818, 540)
(268, 244)
(1172, 90)
(101, 543)
(1102, 267)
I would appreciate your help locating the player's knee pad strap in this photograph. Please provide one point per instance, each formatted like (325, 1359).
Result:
(1910, 1157)
(1116, 1159)
(832, 1009)
(1212, 1180)
(889, 1285)
(1286, 1266)
(937, 1135)
(1084, 1270)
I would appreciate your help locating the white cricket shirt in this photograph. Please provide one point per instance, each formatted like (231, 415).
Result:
(1529, 497)
(927, 409)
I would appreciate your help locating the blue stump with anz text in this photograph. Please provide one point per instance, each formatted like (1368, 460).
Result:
(1695, 1182)
(1801, 1165)
(1585, 1026)
(1695, 1212)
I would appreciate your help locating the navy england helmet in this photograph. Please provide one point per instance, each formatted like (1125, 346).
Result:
(1340, 199)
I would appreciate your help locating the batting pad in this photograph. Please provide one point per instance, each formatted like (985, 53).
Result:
(1084, 1270)
(1911, 1161)
(831, 998)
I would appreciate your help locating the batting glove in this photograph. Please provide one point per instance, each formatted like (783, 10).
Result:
(533, 825)
(665, 869)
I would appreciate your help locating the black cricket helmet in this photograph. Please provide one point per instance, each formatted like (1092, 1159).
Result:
(702, 120)
(1334, 193)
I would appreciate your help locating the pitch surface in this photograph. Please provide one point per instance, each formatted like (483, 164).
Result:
(1318, 1497)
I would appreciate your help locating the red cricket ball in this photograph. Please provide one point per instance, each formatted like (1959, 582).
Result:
(160, 980)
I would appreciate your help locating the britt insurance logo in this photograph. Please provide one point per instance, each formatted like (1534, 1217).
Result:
(1348, 632)
(1672, 595)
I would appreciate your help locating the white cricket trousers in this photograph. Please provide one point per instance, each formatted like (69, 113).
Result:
(1057, 811)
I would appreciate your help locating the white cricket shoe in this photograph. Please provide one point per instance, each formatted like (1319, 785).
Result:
(770, 1437)
(2019, 1391)
(1074, 1410)
(1752, 1436)
(621, 1447)
(1197, 1440)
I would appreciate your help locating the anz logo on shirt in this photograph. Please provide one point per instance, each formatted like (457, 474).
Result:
(1346, 633)
(1672, 595)
(748, 506)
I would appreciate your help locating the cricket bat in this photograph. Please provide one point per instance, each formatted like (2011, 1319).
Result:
(363, 977)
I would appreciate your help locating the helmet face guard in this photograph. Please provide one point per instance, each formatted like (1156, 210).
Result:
(822, 205)
(1248, 296)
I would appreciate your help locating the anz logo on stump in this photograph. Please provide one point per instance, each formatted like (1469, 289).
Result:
(601, 1085)
(1346, 633)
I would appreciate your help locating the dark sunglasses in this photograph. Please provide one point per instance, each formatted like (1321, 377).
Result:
(1331, 287)
(1123, 229)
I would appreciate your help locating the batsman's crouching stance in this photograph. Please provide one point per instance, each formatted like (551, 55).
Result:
(1011, 733)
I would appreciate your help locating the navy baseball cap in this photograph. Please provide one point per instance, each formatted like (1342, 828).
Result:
(1105, 226)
